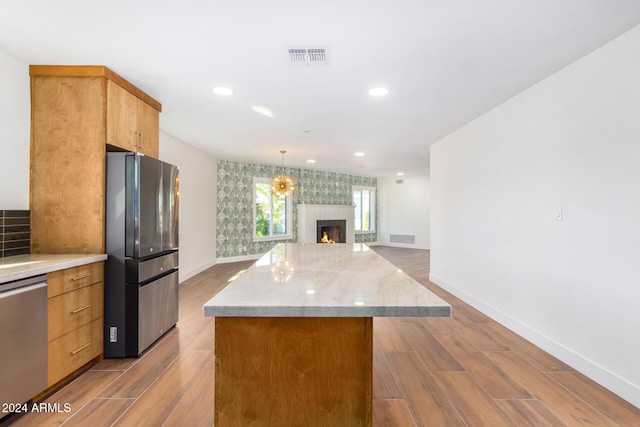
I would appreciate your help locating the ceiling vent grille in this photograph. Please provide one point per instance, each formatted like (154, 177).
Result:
(308, 56)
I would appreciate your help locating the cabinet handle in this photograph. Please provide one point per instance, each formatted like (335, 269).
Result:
(73, 353)
(140, 133)
(78, 310)
(73, 279)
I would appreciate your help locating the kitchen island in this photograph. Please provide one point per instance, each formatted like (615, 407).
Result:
(293, 334)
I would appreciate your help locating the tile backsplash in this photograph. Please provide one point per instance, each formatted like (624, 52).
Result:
(15, 232)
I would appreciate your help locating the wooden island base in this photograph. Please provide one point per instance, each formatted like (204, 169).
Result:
(301, 354)
(293, 371)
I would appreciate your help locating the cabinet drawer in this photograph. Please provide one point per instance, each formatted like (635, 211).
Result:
(73, 350)
(74, 278)
(73, 309)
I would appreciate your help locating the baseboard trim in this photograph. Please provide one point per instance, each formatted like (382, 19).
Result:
(186, 275)
(623, 388)
(250, 257)
(403, 245)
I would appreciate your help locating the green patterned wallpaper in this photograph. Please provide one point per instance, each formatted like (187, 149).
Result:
(235, 199)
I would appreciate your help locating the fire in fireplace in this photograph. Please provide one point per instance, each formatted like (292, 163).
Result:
(331, 231)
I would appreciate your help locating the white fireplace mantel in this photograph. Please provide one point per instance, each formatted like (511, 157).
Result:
(308, 215)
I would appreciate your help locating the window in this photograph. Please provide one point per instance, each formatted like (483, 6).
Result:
(272, 213)
(364, 199)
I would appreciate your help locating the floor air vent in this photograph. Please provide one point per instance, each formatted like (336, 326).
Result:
(308, 56)
(402, 238)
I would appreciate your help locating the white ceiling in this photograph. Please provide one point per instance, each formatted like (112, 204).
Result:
(444, 62)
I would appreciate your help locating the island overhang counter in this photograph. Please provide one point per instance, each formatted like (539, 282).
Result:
(294, 334)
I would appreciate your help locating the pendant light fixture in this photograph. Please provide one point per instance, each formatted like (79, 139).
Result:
(283, 185)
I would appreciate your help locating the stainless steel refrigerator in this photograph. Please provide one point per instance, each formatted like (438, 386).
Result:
(141, 272)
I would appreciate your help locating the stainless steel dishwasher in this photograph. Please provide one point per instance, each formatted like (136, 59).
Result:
(23, 340)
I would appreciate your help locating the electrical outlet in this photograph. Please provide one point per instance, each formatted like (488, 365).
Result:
(113, 334)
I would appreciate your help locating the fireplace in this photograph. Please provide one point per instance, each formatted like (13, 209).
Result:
(310, 217)
(331, 231)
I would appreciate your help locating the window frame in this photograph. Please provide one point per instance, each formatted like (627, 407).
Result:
(372, 209)
(288, 212)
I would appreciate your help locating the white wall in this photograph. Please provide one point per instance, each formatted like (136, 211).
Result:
(198, 182)
(14, 133)
(404, 209)
(570, 286)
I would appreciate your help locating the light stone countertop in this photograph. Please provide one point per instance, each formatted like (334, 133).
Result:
(325, 280)
(24, 266)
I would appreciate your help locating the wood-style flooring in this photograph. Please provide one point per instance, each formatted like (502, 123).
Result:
(466, 370)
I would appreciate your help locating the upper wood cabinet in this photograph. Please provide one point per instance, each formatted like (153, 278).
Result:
(149, 128)
(122, 130)
(75, 112)
(132, 124)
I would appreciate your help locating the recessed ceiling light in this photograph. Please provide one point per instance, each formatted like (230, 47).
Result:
(359, 154)
(311, 161)
(378, 91)
(400, 173)
(223, 91)
(262, 110)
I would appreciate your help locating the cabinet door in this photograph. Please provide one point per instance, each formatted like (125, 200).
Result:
(148, 126)
(67, 165)
(122, 108)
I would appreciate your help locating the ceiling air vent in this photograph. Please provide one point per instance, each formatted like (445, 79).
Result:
(308, 56)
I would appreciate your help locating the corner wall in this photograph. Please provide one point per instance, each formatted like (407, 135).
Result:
(404, 210)
(535, 214)
(198, 180)
(15, 122)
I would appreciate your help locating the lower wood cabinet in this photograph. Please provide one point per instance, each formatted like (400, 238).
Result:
(72, 351)
(62, 281)
(75, 319)
(69, 311)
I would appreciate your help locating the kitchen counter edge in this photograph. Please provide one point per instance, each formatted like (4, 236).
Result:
(24, 266)
(327, 311)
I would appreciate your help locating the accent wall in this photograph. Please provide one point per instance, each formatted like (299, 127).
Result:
(235, 202)
(535, 214)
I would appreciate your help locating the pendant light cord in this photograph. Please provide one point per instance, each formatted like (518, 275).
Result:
(282, 152)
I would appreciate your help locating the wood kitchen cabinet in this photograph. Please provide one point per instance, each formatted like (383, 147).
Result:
(132, 124)
(75, 112)
(149, 128)
(75, 319)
